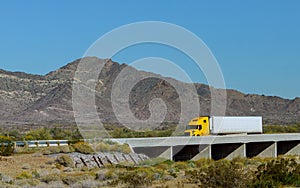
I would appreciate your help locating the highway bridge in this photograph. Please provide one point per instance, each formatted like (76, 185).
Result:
(216, 147)
(194, 148)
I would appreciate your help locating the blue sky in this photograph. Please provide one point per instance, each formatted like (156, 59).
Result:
(256, 43)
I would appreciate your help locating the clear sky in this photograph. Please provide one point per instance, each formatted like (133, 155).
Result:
(257, 43)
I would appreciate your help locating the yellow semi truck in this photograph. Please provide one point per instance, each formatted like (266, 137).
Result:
(216, 125)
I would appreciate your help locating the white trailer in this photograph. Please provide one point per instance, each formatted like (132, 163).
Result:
(235, 124)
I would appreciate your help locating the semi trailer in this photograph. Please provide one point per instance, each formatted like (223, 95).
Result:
(222, 125)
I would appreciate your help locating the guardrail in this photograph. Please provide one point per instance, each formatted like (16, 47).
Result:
(41, 143)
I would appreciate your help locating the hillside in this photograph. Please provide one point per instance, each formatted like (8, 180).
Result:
(37, 99)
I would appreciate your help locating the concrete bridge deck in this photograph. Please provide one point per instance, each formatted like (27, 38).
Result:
(216, 147)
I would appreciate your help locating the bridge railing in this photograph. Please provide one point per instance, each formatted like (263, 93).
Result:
(41, 143)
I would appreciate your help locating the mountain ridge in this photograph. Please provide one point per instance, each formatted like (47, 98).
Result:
(44, 99)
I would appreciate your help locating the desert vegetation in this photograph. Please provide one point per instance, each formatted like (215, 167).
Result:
(6, 146)
(53, 167)
(72, 133)
(158, 173)
(269, 129)
(56, 132)
(127, 133)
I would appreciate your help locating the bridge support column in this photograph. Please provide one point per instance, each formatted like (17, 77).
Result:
(239, 152)
(265, 149)
(168, 154)
(204, 152)
(294, 151)
(288, 148)
(270, 151)
(228, 151)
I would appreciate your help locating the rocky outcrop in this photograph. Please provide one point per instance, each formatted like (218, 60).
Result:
(102, 160)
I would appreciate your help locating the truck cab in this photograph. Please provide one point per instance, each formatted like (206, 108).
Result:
(223, 125)
(198, 127)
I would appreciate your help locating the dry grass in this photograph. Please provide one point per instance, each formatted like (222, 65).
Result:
(12, 165)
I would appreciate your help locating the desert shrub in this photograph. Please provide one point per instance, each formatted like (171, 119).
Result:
(35, 174)
(55, 184)
(127, 133)
(59, 133)
(50, 178)
(173, 172)
(6, 179)
(158, 174)
(278, 172)
(109, 142)
(87, 176)
(27, 183)
(39, 134)
(15, 135)
(84, 169)
(65, 160)
(25, 150)
(50, 150)
(102, 147)
(125, 148)
(241, 160)
(191, 164)
(57, 149)
(116, 148)
(154, 161)
(100, 176)
(107, 146)
(162, 166)
(110, 174)
(168, 161)
(106, 175)
(182, 165)
(69, 180)
(203, 163)
(221, 173)
(29, 137)
(66, 149)
(34, 182)
(126, 164)
(21, 182)
(83, 147)
(137, 178)
(24, 175)
(269, 129)
(6, 146)
(90, 183)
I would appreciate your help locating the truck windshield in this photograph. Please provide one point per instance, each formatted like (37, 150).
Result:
(193, 127)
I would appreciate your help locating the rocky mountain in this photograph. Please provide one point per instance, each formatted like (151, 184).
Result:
(36, 99)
